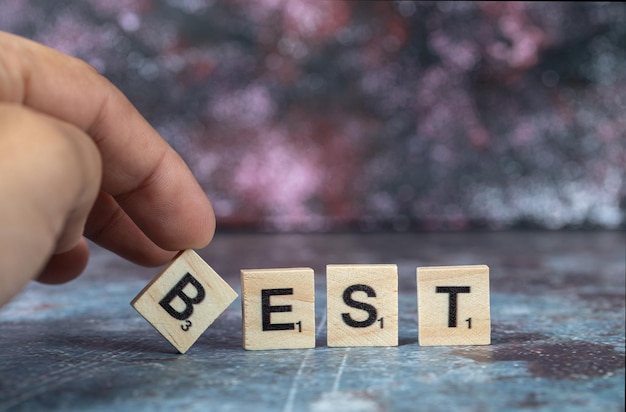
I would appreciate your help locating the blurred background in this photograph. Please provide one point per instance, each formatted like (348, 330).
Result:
(302, 115)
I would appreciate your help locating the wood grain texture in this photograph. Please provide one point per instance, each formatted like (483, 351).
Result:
(184, 299)
(362, 305)
(278, 308)
(453, 305)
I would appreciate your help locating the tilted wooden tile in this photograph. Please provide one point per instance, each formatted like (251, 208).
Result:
(362, 305)
(184, 299)
(278, 308)
(453, 305)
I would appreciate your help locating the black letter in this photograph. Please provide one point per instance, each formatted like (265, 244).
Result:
(267, 309)
(177, 290)
(452, 291)
(347, 299)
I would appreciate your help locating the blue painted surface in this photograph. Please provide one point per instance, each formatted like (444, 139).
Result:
(557, 304)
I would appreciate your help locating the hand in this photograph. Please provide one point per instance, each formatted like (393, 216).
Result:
(76, 158)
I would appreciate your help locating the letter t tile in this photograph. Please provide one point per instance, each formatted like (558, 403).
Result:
(184, 299)
(453, 305)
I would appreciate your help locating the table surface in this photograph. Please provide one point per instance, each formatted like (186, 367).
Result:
(557, 309)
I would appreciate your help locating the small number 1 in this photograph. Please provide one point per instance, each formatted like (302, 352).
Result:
(381, 323)
(299, 323)
(469, 323)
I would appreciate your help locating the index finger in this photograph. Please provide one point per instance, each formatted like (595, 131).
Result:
(141, 171)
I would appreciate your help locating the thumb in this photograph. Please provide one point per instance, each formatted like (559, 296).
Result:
(50, 175)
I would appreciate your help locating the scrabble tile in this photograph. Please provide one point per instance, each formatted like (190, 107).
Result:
(184, 299)
(362, 305)
(278, 308)
(453, 305)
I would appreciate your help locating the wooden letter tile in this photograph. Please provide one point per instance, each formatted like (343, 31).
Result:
(362, 305)
(184, 299)
(453, 305)
(278, 308)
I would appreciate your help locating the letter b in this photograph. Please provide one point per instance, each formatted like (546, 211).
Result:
(177, 290)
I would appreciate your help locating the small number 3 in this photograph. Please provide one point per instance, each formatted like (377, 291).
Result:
(186, 326)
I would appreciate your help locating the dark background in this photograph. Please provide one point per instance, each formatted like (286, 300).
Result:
(307, 115)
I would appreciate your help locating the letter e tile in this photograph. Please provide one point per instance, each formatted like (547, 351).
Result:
(278, 308)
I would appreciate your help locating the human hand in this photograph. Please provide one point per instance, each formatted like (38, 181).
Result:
(76, 158)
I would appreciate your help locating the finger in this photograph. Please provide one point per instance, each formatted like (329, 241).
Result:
(109, 226)
(141, 171)
(63, 267)
(50, 174)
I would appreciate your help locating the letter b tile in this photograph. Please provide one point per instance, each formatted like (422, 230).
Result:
(184, 299)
